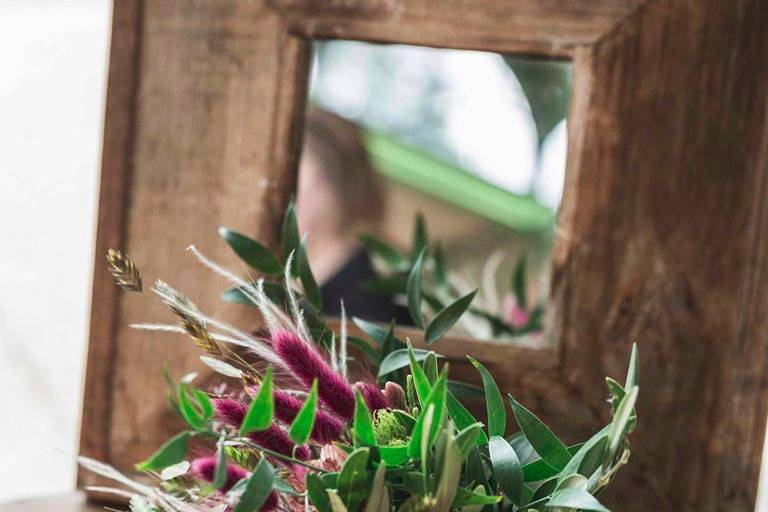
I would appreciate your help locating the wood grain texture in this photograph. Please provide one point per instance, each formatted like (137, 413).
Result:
(663, 242)
(202, 103)
(542, 28)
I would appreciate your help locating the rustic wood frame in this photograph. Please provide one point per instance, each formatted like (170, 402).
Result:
(662, 230)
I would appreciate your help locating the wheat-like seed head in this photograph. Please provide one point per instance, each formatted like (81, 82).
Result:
(124, 271)
(200, 335)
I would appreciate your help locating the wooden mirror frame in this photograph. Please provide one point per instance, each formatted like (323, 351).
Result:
(661, 236)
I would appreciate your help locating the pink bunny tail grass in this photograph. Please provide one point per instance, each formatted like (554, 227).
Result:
(372, 395)
(277, 440)
(271, 503)
(307, 364)
(395, 395)
(327, 427)
(204, 468)
(232, 412)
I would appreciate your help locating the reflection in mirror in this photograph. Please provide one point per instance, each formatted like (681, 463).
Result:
(460, 153)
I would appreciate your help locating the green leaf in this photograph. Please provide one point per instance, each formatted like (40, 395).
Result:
(311, 289)
(467, 437)
(447, 317)
(393, 455)
(261, 409)
(462, 418)
(576, 499)
(506, 468)
(441, 276)
(304, 422)
(633, 369)
(363, 424)
(386, 252)
(518, 284)
(399, 359)
(546, 444)
(436, 398)
(220, 473)
(375, 332)
(620, 421)
(419, 241)
(544, 490)
(466, 497)
(414, 290)
(206, 407)
(538, 470)
(171, 452)
(259, 487)
(317, 491)
(449, 476)
(353, 479)
(290, 233)
(275, 292)
(430, 367)
(420, 380)
(588, 458)
(252, 252)
(192, 413)
(497, 415)
(378, 498)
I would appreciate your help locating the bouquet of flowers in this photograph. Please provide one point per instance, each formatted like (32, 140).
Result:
(291, 429)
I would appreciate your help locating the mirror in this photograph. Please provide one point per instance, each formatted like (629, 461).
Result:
(461, 152)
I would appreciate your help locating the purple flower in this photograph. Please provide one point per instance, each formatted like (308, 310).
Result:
(327, 427)
(204, 468)
(307, 365)
(372, 395)
(274, 438)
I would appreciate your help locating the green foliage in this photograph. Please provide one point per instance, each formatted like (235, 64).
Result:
(304, 422)
(171, 452)
(261, 409)
(258, 488)
(252, 252)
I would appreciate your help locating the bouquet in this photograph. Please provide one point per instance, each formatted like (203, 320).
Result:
(301, 423)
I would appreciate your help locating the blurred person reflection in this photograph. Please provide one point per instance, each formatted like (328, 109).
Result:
(338, 198)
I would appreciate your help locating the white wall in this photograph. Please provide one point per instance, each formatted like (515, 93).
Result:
(53, 58)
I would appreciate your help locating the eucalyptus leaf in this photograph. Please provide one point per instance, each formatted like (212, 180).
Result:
(447, 317)
(576, 499)
(304, 422)
(362, 425)
(506, 468)
(173, 451)
(546, 444)
(258, 488)
(311, 289)
(399, 359)
(497, 414)
(252, 252)
(261, 409)
(353, 479)
(413, 291)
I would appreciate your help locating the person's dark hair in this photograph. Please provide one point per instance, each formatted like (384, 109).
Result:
(337, 144)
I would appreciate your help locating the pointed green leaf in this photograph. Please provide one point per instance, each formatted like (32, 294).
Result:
(419, 240)
(465, 497)
(258, 488)
(290, 233)
(437, 398)
(620, 421)
(576, 499)
(465, 391)
(399, 359)
(304, 422)
(497, 415)
(171, 452)
(353, 480)
(363, 424)
(447, 317)
(414, 290)
(441, 276)
(311, 289)
(546, 444)
(317, 492)
(449, 476)
(386, 252)
(467, 437)
(633, 369)
(261, 409)
(538, 470)
(393, 455)
(420, 380)
(369, 351)
(252, 252)
(588, 458)
(220, 473)
(506, 468)
(191, 412)
(462, 418)
(430, 367)
(544, 490)
(275, 292)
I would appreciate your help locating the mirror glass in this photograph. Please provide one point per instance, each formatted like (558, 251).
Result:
(461, 152)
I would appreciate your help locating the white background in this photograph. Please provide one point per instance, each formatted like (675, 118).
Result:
(53, 58)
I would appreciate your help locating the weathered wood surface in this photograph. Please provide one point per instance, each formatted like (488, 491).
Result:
(663, 242)
(662, 231)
